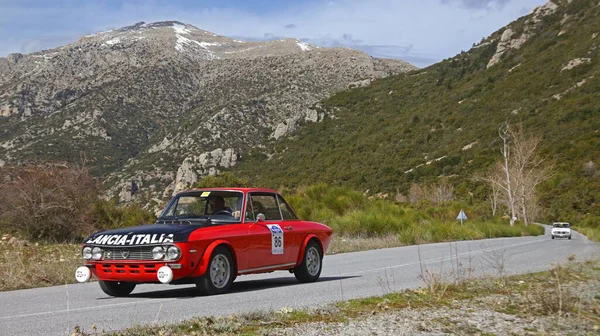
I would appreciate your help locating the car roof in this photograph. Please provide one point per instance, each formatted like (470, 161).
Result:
(245, 190)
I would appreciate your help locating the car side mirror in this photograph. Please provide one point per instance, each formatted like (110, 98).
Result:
(260, 218)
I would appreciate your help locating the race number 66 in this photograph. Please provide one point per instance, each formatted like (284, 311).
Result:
(277, 241)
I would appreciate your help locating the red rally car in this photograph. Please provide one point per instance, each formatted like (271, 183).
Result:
(207, 237)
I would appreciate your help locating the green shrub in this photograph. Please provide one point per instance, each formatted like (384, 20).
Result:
(590, 222)
(107, 215)
(350, 213)
(322, 202)
(222, 180)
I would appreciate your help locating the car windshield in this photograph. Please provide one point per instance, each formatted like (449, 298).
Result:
(219, 206)
(561, 225)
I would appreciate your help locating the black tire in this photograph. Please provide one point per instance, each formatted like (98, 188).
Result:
(117, 288)
(552, 237)
(569, 236)
(309, 269)
(222, 263)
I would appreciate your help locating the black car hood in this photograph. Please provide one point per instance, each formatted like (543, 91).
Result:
(149, 234)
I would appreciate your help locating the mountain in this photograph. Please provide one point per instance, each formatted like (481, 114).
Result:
(541, 70)
(153, 107)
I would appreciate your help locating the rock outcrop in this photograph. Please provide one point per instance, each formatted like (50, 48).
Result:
(194, 167)
(507, 40)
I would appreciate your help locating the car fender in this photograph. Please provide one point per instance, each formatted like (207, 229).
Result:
(303, 247)
(205, 259)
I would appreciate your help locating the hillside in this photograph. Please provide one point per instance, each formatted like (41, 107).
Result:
(541, 70)
(153, 107)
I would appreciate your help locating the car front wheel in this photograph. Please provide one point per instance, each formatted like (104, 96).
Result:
(552, 237)
(309, 269)
(220, 273)
(117, 288)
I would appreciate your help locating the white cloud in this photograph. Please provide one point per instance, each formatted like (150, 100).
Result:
(478, 4)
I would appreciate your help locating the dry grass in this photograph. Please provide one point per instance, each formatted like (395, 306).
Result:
(26, 265)
(341, 244)
(555, 296)
(592, 234)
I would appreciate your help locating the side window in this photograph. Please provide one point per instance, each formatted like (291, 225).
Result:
(250, 213)
(286, 211)
(266, 205)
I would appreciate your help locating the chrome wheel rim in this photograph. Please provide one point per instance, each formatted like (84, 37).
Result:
(313, 262)
(220, 271)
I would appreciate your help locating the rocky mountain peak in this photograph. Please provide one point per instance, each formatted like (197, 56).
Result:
(162, 104)
(177, 38)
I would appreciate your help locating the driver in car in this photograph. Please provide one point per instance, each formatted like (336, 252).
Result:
(216, 206)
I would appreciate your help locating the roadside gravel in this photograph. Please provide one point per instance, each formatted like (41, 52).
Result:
(479, 316)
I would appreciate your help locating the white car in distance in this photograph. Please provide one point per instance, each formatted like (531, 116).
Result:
(561, 230)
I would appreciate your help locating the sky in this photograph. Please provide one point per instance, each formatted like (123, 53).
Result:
(421, 32)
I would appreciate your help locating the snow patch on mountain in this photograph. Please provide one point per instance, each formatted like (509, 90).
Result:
(183, 41)
(205, 45)
(180, 29)
(113, 41)
(304, 46)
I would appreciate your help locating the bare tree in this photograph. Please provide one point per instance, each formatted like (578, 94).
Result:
(529, 169)
(400, 197)
(494, 177)
(440, 192)
(504, 133)
(518, 174)
(416, 193)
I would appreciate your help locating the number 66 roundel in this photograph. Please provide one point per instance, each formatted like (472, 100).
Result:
(276, 238)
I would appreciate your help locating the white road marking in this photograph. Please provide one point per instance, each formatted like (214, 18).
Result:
(80, 309)
(440, 259)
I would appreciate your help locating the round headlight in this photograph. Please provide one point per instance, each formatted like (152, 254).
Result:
(158, 253)
(87, 253)
(173, 253)
(96, 253)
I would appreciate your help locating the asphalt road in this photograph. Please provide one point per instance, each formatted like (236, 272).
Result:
(57, 310)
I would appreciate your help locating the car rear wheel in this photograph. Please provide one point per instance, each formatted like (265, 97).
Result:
(309, 269)
(117, 288)
(220, 273)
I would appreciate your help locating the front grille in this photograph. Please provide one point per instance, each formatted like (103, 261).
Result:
(128, 268)
(128, 253)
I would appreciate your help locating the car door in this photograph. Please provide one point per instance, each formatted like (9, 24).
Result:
(269, 240)
(292, 227)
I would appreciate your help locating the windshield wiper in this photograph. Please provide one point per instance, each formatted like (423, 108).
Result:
(186, 218)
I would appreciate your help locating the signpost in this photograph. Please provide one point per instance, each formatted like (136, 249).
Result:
(461, 216)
